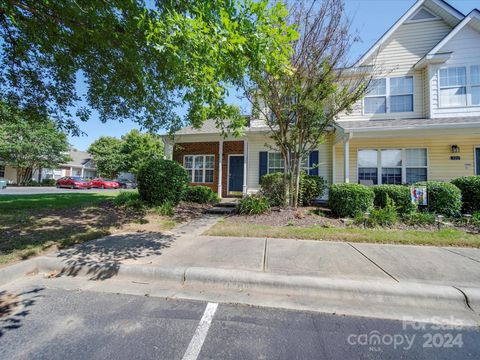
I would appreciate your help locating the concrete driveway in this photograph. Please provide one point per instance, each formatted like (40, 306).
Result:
(34, 190)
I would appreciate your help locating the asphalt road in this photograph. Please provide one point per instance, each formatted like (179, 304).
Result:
(58, 324)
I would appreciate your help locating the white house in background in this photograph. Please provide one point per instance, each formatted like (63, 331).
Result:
(420, 121)
(81, 165)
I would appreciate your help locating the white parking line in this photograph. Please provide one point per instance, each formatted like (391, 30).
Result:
(196, 343)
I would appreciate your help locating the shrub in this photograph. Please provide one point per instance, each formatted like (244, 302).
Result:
(350, 199)
(311, 187)
(273, 187)
(30, 183)
(419, 218)
(200, 195)
(130, 199)
(253, 205)
(161, 180)
(48, 182)
(165, 209)
(443, 198)
(470, 189)
(400, 194)
(385, 216)
(476, 218)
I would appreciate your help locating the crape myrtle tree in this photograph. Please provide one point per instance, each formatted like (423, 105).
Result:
(139, 60)
(301, 101)
(26, 146)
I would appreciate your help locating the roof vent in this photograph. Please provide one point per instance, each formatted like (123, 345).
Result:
(422, 14)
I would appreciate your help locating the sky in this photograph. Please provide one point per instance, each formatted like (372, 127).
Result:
(370, 18)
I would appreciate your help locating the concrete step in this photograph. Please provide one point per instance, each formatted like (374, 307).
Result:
(222, 210)
(226, 204)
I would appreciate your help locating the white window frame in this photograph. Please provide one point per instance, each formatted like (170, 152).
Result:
(404, 162)
(388, 97)
(276, 152)
(204, 168)
(468, 87)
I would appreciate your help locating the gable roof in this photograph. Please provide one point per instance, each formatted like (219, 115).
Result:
(413, 9)
(79, 158)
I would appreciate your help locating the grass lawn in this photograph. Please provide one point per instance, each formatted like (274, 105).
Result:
(31, 224)
(444, 237)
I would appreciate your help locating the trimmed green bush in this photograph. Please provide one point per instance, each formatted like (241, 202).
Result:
(48, 182)
(161, 180)
(443, 198)
(470, 188)
(350, 199)
(200, 195)
(253, 205)
(273, 187)
(311, 187)
(400, 194)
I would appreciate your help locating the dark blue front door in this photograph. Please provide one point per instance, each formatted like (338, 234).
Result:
(235, 173)
(477, 157)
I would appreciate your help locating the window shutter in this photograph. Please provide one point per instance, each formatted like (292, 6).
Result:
(263, 163)
(313, 163)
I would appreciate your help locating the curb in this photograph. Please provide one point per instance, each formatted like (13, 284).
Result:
(339, 292)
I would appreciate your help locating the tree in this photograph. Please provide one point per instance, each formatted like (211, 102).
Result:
(138, 62)
(27, 145)
(106, 153)
(301, 101)
(137, 148)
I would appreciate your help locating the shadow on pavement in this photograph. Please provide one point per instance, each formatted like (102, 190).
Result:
(101, 258)
(14, 308)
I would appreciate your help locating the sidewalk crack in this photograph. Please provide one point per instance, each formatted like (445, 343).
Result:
(459, 254)
(467, 302)
(264, 259)
(374, 263)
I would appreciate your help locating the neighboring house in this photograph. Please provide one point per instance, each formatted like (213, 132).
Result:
(419, 122)
(80, 165)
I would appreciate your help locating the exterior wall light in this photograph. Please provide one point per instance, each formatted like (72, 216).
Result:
(455, 149)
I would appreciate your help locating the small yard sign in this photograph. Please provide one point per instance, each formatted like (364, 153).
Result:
(419, 195)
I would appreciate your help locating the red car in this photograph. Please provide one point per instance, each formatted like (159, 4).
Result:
(104, 184)
(73, 182)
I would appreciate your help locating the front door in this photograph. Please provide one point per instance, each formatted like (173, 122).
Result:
(235, 173)
(477, 160)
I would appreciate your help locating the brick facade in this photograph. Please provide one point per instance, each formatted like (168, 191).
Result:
(210, 148)
(200, 148)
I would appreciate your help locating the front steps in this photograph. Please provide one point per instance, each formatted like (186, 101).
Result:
(225, 207)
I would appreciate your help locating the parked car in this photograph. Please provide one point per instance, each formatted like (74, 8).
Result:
(126, 184)
(73, 182)
(104, 184)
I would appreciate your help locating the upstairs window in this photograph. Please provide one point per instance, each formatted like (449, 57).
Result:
(389, 95)
(453, 86)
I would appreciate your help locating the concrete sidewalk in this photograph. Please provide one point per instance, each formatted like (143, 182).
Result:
(389, 281)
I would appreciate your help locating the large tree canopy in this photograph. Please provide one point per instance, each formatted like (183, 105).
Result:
(106, 153)
(27, 146)
(137, 148)
(138, 62)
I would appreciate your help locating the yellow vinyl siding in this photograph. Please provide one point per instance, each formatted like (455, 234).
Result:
(397, 56)
(440, 167)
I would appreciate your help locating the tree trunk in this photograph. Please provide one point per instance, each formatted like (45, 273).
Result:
(24, 175)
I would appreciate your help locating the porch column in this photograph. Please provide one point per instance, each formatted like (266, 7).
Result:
(81, 175)
(334, 165)
(220, 168)
(245, 167)
(166, 149)
(71, 171)
(346, 158)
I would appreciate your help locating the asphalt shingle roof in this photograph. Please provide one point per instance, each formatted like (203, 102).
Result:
(79, 158)
(406, 123)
